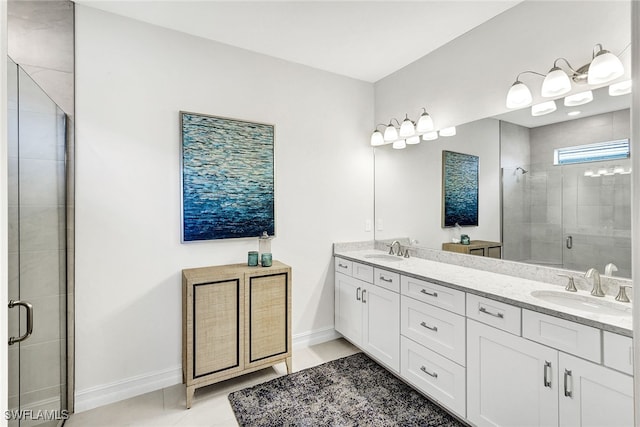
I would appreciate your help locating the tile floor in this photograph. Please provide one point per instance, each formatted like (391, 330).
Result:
(210, 407)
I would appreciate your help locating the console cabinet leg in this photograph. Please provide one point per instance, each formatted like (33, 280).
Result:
(190, 391)
(288, 361)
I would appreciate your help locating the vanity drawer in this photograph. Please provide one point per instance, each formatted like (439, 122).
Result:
(436, 376)
(618, 352)
(440, 296)
(386, 279)
(362, 271)
(343, 266)
(494, 313)
(583, 341)
(439, 330)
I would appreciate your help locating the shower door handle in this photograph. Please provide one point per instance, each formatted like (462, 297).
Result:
(569, 242)
(29, 308)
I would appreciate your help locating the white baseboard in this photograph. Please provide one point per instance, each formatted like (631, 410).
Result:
(318, 336)
(109, 393)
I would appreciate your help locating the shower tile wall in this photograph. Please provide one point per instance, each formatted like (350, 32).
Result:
(516, 198)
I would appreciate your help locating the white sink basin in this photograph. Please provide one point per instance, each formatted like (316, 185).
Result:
(584, 302)
(384, 257)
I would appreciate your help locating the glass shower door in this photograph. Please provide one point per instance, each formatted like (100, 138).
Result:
(37, 255)
(597, 216)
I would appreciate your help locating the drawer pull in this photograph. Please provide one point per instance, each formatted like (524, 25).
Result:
(434, 294)
(485, 311)
(432, 328)
(384, 279)
(364, 292)
(342, 266)
(547, 370)
(358, 293)
(431, 374)
(567, 392)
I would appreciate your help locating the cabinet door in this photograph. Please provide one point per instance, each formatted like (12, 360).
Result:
(592, 395)
(510, 381)
(217, 327)
(381, 325)
(268, 314)
(348, 310)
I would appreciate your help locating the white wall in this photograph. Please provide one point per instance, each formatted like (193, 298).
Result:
(409, 186)
(132, 79)
(468, 78)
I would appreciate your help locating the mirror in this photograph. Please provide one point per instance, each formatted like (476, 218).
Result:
(572, 216)
(553, 215)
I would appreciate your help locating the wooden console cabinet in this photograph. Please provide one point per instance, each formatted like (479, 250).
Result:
(477, 247)
(235, 319)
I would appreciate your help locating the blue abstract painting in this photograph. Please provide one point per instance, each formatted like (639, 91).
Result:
(227, 178)
(459, 189)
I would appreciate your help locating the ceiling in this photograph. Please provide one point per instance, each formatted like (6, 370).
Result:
(365, 40)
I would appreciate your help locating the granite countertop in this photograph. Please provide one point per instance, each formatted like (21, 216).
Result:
(500, 287)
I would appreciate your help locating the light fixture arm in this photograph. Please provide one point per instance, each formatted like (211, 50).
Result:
(573, 70)
(529, 72)
(392, 119)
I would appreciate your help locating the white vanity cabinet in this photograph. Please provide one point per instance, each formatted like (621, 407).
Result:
(366, 314)
(532, 380)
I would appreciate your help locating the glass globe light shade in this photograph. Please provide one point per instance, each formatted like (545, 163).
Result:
(390, 133)
(543, 108)
(621, 88)
(519, 95)
(425, 123)
(555, 83)
(430, 136)
(377, 138)
(407, 128)
(451, 131)
(415, 139)
(399, 144)
(604, 68)
(578, 99)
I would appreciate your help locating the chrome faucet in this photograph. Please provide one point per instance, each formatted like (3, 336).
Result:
(596, 291)
(609, 269)
(398, 252)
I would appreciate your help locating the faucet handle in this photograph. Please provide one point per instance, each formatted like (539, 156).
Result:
(571, 285)
(622, 294)
(406, 253)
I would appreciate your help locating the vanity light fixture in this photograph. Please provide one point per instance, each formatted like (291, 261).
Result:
(603, 68)
(621, 88)
(588, 172)
(407, 132)
(578, 99)
(450, 131)
(543, 108)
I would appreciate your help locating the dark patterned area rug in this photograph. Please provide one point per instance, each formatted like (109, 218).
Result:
(352, 391)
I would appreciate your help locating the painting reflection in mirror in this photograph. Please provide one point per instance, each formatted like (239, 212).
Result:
(459, 189)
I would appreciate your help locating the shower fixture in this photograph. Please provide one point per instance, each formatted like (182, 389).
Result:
(523, 171)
